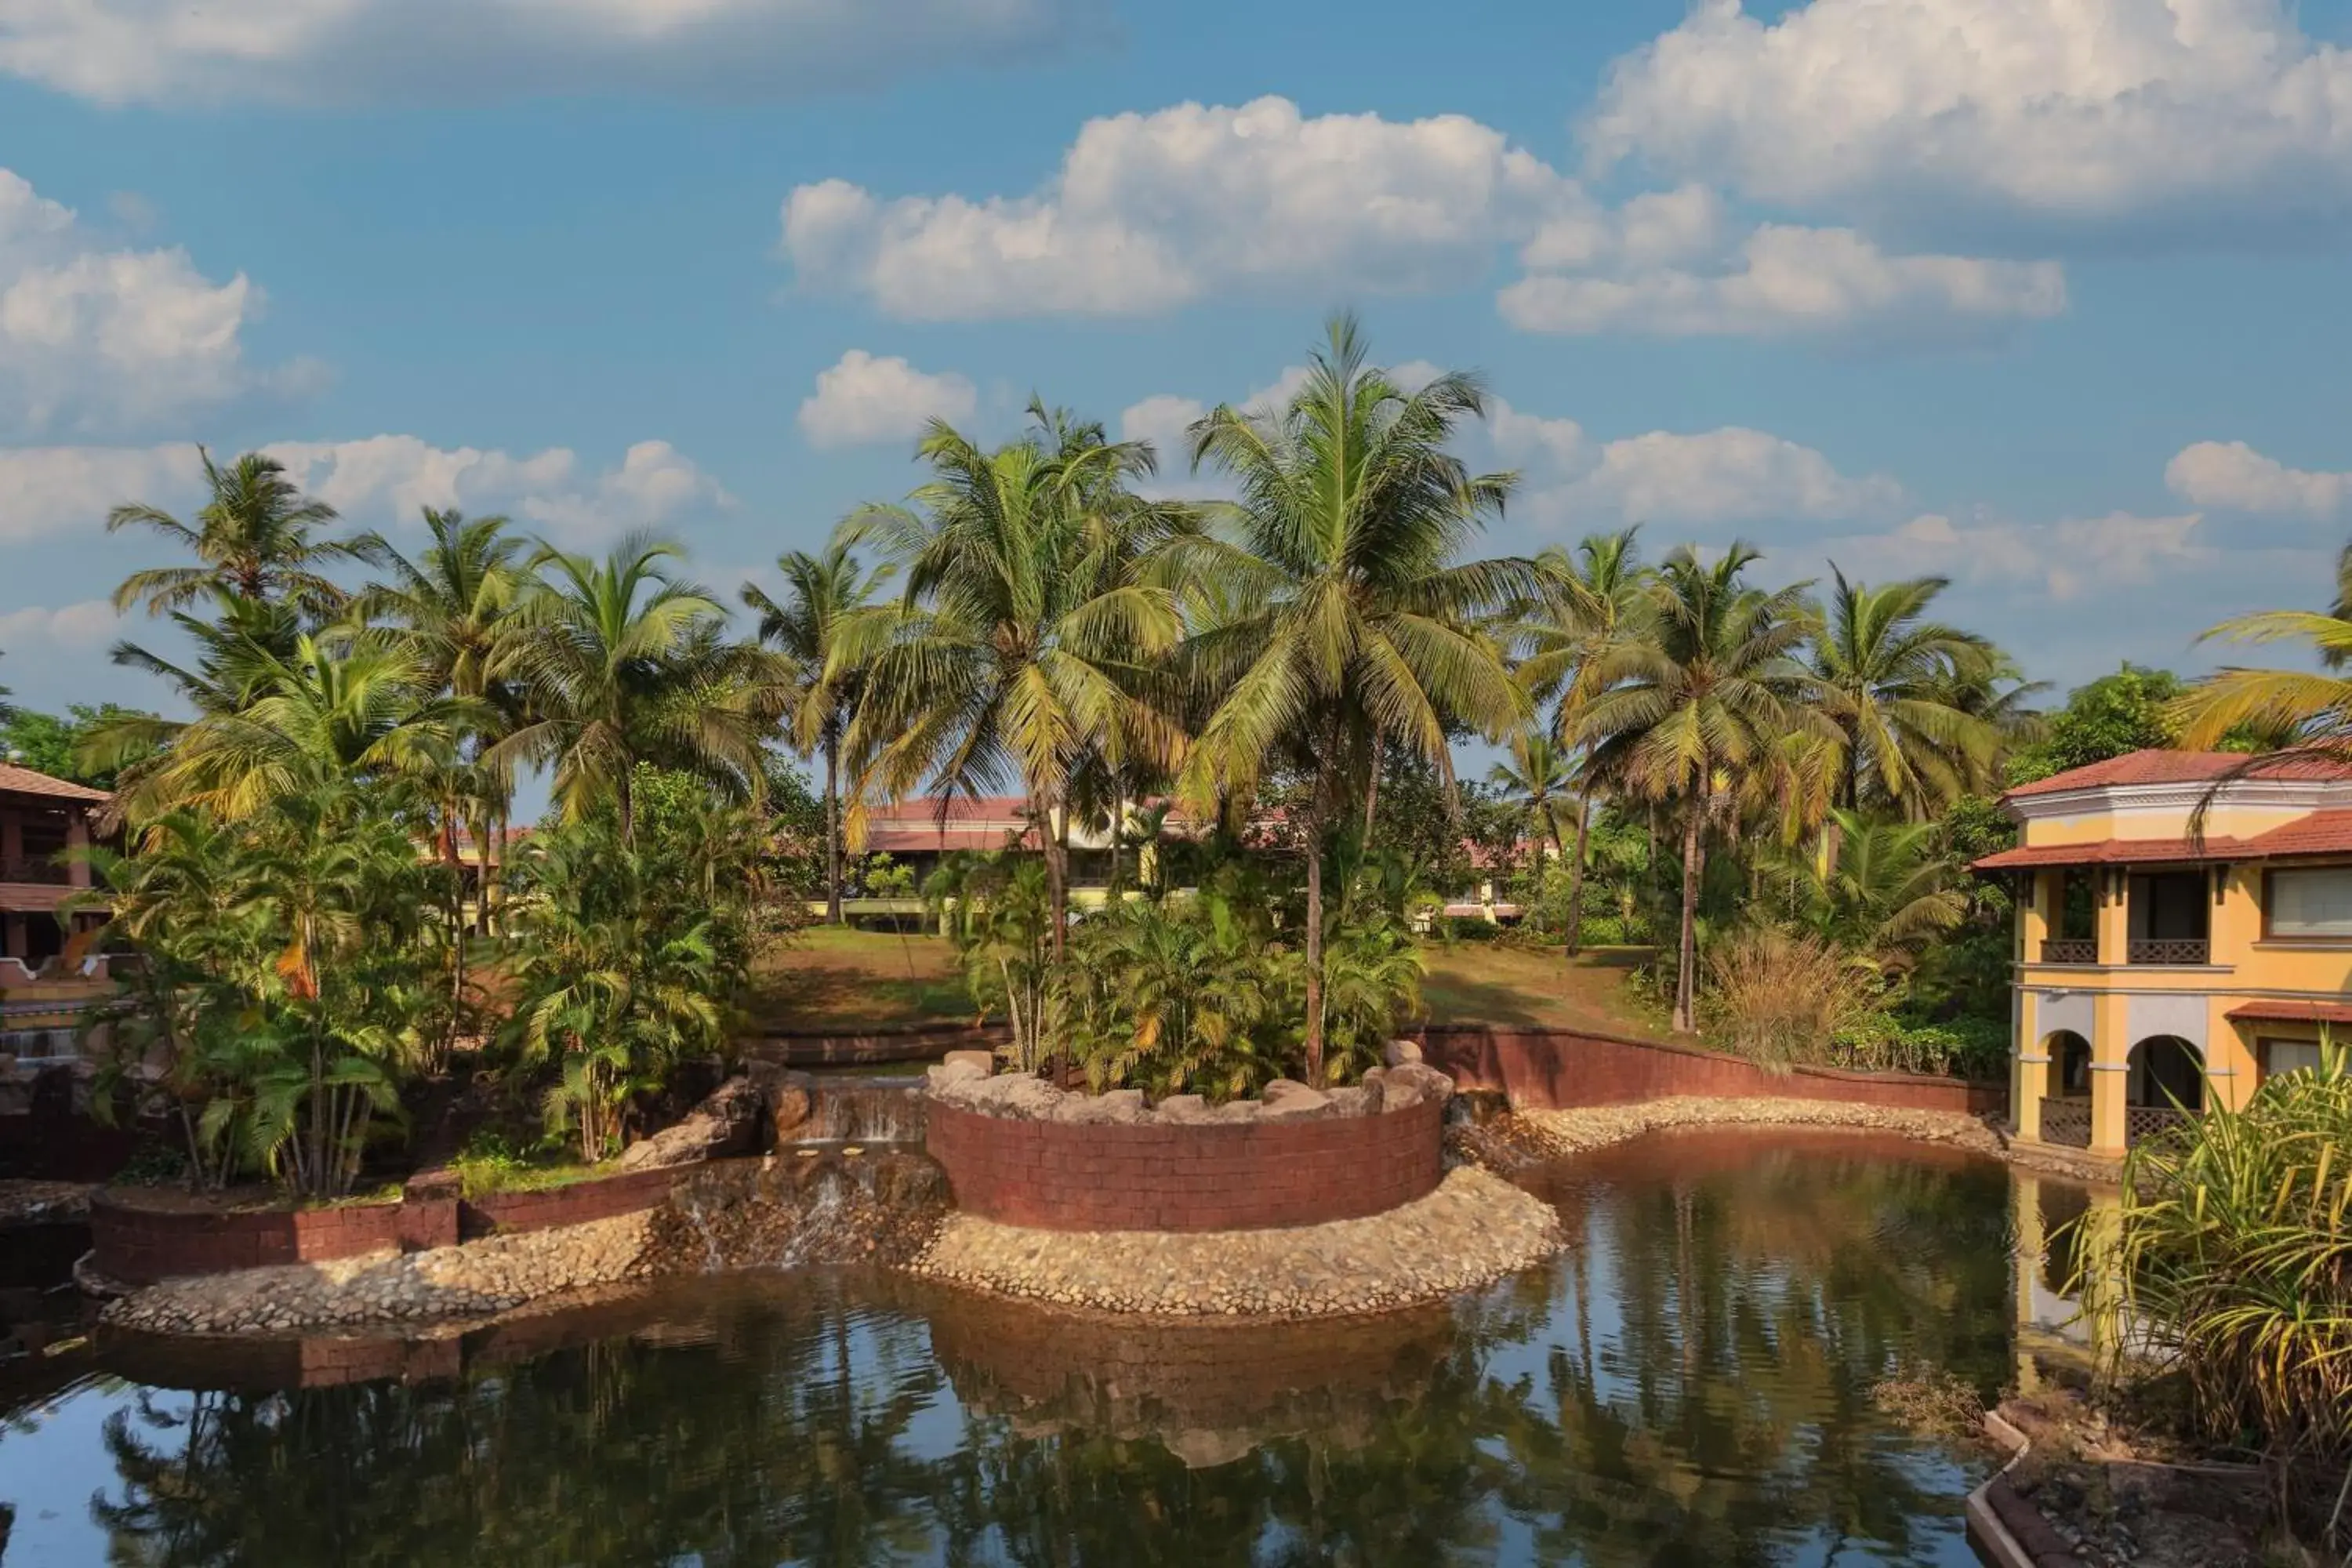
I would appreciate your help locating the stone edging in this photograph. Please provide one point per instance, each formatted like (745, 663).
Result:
(1474, 1229)
(1561, 1133)
(2005, 1527)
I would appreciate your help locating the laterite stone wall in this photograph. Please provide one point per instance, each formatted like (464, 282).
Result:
(1564, 1069)
(1186, 1176)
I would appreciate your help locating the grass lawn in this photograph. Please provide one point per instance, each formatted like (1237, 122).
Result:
(1481, 982)
(839, 978)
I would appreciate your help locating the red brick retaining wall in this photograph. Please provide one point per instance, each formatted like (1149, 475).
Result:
(1192, 1176)
(138, 1245)
(1560, 1069)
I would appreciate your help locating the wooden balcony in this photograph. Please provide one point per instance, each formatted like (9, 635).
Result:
(2169, 949)
(2070, 949)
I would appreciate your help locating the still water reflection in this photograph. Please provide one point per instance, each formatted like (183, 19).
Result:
(1689, 1385)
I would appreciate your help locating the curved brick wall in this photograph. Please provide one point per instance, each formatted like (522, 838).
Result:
(1191, 1176)
(138, 1245)
(1561, 1069)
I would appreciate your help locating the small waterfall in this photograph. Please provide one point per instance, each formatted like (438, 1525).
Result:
(864, 1110)
(823, 1222)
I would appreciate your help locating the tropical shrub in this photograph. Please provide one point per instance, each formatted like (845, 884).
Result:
(2233, 1248)
(998, 911)
(1184, 995)
(614, 982)
(1780, 998)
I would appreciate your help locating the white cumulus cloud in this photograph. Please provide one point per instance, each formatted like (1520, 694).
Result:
(2070, 112)
(1785, 280)
(865, 399)
(330, 51)
(2233, 476)
(1708, 479)
(2071, 558)
(385, 479)
(1152, 211)
(58, 490)
(95, 339)
(89, 623)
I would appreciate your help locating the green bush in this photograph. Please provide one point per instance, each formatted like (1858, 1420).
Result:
(2231, 1248)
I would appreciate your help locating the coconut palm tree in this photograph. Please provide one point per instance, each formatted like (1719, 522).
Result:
(1027, 630)
(1707, 690)
(1536, 779)
(1883, 672)
(254, 539)
(619, 663)
(1354, 627)
(334, 709)
(1591, 598)
(824, 591)
(2297, 711)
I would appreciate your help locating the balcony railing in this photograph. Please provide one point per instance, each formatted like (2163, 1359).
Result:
(2070, 949)
(49, 873)
(2168, 950)
(2066, 1121)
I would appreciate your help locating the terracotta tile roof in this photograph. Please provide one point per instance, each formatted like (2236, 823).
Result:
(2160, 767)
(2290, 1012)
(15, 780)
(2321, 833)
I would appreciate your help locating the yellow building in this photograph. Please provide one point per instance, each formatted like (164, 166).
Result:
(2184, 928)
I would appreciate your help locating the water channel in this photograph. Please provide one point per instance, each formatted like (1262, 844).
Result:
(1690, 1384)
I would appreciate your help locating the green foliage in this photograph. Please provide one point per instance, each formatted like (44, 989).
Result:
(1880, 1040)
(2129, 711)
(999, 912)
(2232, 1248)
(285, 986)
(621, 971)
(51, 745)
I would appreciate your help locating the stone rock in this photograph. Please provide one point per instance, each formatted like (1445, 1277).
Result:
(1287, 1099)
(984, 1061)
(1183, 1108)
(1122, 1107)
(1357, 1099)
(1411, 1084)
(1015, 1095)
(727, 1122)
(1397, 1053)
(788, 1096)
(1238, 1110)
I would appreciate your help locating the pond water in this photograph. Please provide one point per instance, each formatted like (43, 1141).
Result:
(1690, 1384)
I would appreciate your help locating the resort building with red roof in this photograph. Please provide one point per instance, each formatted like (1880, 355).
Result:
(2184, 928)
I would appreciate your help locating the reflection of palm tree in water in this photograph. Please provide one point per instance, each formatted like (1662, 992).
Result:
(1704, 1400)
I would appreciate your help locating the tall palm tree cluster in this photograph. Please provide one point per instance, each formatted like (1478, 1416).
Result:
(315, 862)
(1039, 617)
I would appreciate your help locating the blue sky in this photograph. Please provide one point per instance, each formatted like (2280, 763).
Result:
(2042, 295)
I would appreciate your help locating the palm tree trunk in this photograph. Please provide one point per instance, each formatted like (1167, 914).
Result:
(628, 811)
(1576, 873)
(1058, 871)
(457, 865)
(832, 832)
(1314, 942)
(1686, 967)
(1118, 821)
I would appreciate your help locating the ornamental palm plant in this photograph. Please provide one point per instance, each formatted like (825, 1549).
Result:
(1350, 624)
(452, 610)
(1707, 693)
(824, 593)
(1593, 597)
(1535, 780)
(1883, 672)
(332, 711)
(1027, 633)
(252, 539)
(618, 663)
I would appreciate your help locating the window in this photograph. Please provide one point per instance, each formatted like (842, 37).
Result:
(2315, 903)
(2289, 1056)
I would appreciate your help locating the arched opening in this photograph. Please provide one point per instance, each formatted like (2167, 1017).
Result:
(2167, 1071)
(2070, 1062)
